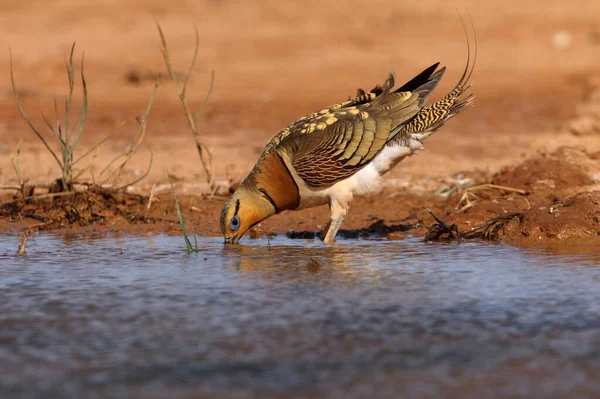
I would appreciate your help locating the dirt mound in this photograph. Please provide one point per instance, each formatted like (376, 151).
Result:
(88, 206)
(587, 118)
(562, 173)
(575, 217)
(550, 198)
(560, 201)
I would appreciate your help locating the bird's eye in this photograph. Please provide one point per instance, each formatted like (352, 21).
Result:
(234, 223)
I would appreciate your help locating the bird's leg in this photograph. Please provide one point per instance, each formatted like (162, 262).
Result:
(338, 212)
(326, 229)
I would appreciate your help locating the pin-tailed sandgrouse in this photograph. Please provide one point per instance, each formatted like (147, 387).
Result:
(331, 155)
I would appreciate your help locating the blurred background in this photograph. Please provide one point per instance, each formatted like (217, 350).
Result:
(538, 61)
(127, 317)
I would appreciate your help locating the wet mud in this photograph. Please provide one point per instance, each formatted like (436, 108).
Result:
(547, 199)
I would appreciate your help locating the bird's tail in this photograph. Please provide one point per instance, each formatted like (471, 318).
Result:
(431, 117)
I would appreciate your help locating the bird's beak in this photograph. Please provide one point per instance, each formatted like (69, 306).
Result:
(231, 240)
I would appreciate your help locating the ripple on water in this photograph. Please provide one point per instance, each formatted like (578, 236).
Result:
(140, 317)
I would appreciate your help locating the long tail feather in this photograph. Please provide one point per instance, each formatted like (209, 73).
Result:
(433, 116)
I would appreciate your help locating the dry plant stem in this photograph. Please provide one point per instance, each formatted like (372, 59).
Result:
(489, 185)
(24, 114)
(440, 229)
(124, 158)
(69, 137)
(43, 224)
(150, 200)
(127, 156)
(16, 164)
(469, 193)
(94, 151)
(95, 148)
(203, 151)
(489, 229)
(23, 245)
(465, 198)
(139, 179)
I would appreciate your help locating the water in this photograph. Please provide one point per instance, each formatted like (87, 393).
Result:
(138, 317)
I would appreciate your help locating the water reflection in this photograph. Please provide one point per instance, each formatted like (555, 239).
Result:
(138, 317)
(348, 258)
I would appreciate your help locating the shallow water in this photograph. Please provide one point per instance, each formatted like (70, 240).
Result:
(138, 317)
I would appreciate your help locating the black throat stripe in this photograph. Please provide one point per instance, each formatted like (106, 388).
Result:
(268, 197)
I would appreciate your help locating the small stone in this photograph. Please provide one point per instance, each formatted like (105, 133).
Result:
(80, 188)
(40, 190)
(313, 265)
(583, 125)
(396, 235)
(256, 232)
(562, 40)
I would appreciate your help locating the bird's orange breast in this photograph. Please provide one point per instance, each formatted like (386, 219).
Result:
(276, 183)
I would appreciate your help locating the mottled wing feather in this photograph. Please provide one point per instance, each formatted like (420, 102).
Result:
(334, 143)
(357, 135)
(315, 121)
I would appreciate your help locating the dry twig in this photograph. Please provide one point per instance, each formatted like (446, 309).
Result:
(468, 199)
(489, 230)
(203, 151)
(67, 136)
(441, 231)
(68, 131)
(125, 157)
(23, 245)
(151, 199)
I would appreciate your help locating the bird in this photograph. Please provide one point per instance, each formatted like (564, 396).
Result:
(329, 156)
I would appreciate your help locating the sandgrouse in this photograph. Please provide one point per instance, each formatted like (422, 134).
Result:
(331, 155)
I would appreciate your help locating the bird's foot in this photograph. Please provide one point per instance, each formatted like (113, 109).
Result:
(333, 227)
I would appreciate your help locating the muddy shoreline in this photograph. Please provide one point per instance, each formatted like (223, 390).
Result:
(550, 200)
(533, 136)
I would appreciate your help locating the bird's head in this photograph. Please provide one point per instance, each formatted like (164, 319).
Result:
(246, 207)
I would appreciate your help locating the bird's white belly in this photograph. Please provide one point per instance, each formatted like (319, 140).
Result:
(365, 181)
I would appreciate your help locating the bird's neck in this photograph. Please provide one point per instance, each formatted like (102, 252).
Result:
(272, 179)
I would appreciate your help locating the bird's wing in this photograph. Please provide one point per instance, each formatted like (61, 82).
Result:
(333, 144)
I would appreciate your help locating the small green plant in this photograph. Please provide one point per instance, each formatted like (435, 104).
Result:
(68, 131)
(16, 163)
(186, 239)
(203, 151)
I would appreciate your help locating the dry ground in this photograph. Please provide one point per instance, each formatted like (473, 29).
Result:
(537, 70)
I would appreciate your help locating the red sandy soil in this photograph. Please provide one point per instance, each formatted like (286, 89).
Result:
(535, 125)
